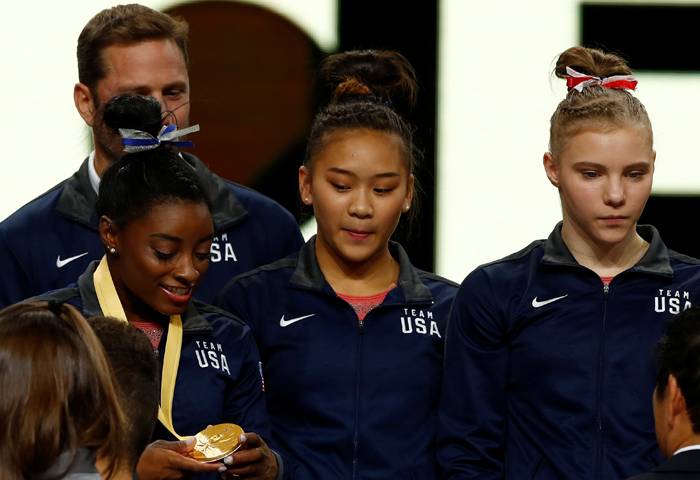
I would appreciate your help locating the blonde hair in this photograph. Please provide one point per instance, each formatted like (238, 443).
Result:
(594, 106)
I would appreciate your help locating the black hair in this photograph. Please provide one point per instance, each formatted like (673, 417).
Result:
(132, 185)
(370, 89)
(678, 353)
(135, 370)
(367, 89)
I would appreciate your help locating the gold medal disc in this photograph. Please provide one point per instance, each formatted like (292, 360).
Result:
(216, 442)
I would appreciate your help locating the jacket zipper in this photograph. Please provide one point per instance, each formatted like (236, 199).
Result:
(358, 379)
(599, 416)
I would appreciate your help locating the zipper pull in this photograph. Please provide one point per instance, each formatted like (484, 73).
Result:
(362, 326)
(606, 289)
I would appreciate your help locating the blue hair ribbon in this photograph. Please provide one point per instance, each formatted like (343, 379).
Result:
(140, 141)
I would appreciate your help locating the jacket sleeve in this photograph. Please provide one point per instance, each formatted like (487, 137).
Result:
(14, 283)
(235, 299)
(245, 403)
(472, 419)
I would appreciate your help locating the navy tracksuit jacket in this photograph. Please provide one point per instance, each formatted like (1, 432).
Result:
(548, 374)
(49, 242)
(347, 400)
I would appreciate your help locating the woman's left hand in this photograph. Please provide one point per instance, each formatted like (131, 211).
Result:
(254, 460)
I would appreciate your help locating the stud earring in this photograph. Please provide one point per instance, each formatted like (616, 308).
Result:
(112, 250)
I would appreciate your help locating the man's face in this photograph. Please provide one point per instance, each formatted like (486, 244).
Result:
(153, 68)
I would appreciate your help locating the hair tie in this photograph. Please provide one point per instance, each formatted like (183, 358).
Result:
(578, 81)
(371, 98)
(55, 307)
(140, 141)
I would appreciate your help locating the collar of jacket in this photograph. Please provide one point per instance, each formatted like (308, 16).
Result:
(77, 200)
(688, 461)
(656, 260)
(307, 273)
(192, 320)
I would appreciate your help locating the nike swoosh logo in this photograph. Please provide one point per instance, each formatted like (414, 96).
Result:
(62, 263)
(542, 303)
(286, 323)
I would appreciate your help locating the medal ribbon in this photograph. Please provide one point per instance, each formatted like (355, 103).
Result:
(112, 307)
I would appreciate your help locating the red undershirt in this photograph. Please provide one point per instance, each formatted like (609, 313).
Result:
(364, 304)
(153, 330)
(606, 280)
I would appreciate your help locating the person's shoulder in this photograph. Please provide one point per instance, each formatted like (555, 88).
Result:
(534, 248)
(272, 273)
(510, 267)
(433, 279)
(682, 259)
(503, 278)
(224, 324)
(35, 212)
(254, 203)
(686, 269)
(660, 252)
(215, 315)
(257, 203)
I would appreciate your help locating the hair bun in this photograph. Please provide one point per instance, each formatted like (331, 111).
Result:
(379, 73)
(351, 86)
(137, 112)
(591, 61)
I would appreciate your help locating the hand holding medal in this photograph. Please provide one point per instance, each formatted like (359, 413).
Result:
(219, 442)
(253, 460)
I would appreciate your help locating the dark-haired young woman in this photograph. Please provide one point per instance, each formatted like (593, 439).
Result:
(549, 351)
(156, 226)
(350, 333)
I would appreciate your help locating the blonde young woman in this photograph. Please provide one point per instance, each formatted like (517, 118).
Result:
(549, 353)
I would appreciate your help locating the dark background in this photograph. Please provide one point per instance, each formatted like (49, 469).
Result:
(258, 97)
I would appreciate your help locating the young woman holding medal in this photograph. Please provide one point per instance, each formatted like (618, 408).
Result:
(549, 363)
(58, 404)
(350, 333)
(156, 225)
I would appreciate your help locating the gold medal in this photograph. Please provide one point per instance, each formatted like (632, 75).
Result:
(216, 442)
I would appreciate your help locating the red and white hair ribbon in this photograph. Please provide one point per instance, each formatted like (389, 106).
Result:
(577, 81)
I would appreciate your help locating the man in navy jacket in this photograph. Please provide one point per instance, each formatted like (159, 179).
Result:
(677, 399)
(49, 242)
